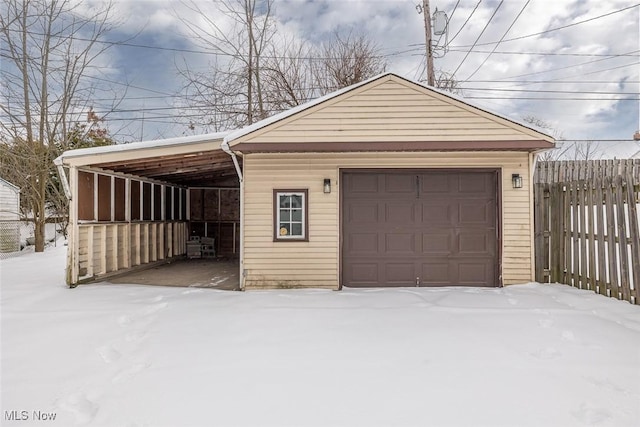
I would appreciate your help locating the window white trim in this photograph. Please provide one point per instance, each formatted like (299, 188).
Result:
(284, 228)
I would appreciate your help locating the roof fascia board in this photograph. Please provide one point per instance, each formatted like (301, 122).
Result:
(408, 146)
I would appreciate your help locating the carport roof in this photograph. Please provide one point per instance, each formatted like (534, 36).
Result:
(196, 160)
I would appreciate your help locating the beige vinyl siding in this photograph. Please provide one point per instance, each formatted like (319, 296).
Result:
(388, 111)
(269, 264)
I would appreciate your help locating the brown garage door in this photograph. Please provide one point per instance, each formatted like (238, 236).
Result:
(419, 228)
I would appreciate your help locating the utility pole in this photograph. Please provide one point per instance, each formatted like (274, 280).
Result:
(427, 34)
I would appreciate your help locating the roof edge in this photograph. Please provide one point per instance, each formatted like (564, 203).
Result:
(141, 145)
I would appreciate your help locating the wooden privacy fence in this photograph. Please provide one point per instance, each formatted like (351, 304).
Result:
(587, 232)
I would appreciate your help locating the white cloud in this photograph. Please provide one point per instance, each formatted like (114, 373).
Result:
(398, 29)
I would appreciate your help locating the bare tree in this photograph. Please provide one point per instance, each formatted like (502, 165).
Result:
(561, 149)
(48, 48)
(256, 73)
(288, 74)
(215, 98)
(345, 60)
(565, 150)
(239, 40)
(447, 82)
(587, 150)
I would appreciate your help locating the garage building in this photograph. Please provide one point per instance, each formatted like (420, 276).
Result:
(384, 183)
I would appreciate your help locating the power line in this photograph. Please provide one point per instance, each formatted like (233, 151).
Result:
(515, 82)
(465, 22)
(478, 38)
(569, 66)
(499, 41)
(558, 28)
(554, 81)
(549, 91)
(201, 52)
(552, 99)
(546, 53)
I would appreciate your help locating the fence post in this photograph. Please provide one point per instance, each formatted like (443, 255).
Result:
(541, 229)
(603, 281)
(590, 230)
(634, 234)
(611, 235)
(623, 259)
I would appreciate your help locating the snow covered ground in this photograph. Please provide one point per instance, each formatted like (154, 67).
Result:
(118, 355)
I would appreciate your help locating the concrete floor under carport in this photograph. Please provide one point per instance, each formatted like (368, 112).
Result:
(193, 273)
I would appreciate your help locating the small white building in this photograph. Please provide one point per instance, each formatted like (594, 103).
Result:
(9, 217)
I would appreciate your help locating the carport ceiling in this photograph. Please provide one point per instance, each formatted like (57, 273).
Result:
(202, 169)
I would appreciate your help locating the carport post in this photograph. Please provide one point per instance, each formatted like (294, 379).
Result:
(225, 147)
(73, 251)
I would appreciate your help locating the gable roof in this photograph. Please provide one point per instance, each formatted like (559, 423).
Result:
(519, 133)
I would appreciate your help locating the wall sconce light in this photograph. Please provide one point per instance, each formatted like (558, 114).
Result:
(327, 186)
(516, 180)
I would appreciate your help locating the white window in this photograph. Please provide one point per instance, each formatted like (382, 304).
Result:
(290, 215)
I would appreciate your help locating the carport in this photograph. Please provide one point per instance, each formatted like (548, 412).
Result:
(136, 206)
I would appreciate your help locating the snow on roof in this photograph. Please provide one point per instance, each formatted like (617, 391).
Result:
(285, 114)
(144, 145)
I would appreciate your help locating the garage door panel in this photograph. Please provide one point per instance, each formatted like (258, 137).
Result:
(476, 212)
(436, 272)
(433, 228)
(475, 185)
(473, 272)
(397, 244)
(362, 243)
(363, 183)
(437, 243)
(400, 213)
(435, 183)
(399, 274)
(400, 183)
(437, 213)
(363, 273)
(363, 212)
(479, 243)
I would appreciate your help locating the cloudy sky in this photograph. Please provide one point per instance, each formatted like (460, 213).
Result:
(574, 64)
